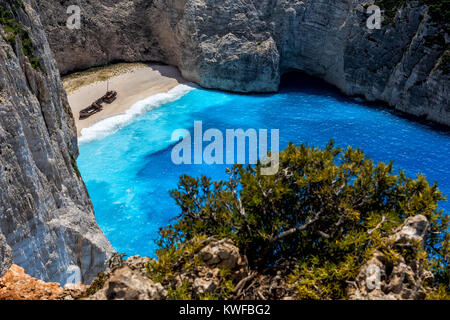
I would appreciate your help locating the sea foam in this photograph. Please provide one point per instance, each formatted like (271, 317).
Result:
(114, 123)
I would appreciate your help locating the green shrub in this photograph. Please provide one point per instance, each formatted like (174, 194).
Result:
(322, 209)
(439, 10)
(180, 293)
(444, 65)
(14, 29)
(97, 284)
(73, 161)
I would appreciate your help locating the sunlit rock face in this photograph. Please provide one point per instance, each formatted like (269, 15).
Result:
(246, 45)
(47, 224)
(5, 256)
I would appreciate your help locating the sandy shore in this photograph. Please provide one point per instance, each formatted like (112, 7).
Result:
(133, 83)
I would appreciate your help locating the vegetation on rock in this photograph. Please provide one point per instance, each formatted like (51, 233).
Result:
(323, 215)
(439, 12)
(444, 65)
(75, 166)
(95, 286)
(13, 29)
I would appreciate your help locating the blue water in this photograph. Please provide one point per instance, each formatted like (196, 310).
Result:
(129, 174)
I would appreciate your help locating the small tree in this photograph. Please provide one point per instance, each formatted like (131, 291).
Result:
(326, 209)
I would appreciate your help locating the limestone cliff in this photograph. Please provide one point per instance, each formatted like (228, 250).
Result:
(5, 256)
(246, 45)
(46, 216)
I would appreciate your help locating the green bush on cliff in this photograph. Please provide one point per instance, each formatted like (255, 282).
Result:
(444, 65)
(325, 209)
(390, 8)
(439, 10)
(13, 29)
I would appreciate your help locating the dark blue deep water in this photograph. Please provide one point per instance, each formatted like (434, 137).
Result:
(129, 173)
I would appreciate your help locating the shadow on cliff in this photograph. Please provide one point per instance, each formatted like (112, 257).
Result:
(296, 80)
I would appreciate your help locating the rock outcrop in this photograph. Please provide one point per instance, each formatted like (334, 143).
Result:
(128, 284)
(246, 45)
(224, 253)
(129, 280)
(385, 278)
(219, 265)
(5, 256)
(17, 285)
(46, 215)
(216, 256)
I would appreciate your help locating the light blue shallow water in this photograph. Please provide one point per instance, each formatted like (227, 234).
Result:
(129, 174)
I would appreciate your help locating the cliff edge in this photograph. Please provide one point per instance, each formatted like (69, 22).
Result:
(132, 279)
(47, 221)
(246, 45)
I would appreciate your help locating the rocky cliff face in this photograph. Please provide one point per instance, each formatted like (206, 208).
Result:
(46, 216)
(47, 223)
(5, 256)
(246, 45)
(382, 278)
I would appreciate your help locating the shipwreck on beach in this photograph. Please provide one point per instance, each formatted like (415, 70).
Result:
(96, 107)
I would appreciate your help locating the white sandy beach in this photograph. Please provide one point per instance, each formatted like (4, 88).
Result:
(132, 85)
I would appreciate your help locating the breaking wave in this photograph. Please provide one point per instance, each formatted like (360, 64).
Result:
(113, 124)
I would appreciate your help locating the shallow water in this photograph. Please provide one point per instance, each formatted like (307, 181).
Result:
(129, 173)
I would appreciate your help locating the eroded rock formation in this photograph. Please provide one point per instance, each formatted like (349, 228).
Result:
(17, 285)
(46, 215)
(246, 45)
(385, 278)
(381, 278)
(128, 284)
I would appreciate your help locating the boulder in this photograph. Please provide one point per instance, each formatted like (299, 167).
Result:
(138, 263)
(127, 284)
(222, 253)
(203, 286)
(380, 278)
(414, 229)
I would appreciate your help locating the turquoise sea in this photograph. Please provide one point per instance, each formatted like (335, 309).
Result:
(129, 172)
